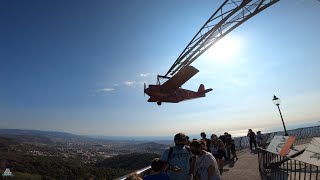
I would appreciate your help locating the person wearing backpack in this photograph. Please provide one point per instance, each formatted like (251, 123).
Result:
(178, 159)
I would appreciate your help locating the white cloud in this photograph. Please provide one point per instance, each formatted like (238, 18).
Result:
(144, 74)
(129, 83)
(107, 89)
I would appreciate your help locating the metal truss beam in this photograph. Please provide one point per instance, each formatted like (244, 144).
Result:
(227, 17)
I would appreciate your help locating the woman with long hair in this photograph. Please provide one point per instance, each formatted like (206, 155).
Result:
(205, 167)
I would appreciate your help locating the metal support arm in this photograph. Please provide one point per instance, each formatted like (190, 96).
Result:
(227, 17)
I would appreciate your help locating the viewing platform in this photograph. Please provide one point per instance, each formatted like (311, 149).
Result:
(262, 164)
(246, 167)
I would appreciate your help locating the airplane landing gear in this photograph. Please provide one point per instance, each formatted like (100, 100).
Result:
(159, 103)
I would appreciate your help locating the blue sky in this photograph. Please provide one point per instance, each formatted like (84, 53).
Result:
(79, 67)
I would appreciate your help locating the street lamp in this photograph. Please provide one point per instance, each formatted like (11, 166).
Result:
(277, 102)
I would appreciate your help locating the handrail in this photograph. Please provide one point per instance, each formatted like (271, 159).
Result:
(142, 172)
(302, 136)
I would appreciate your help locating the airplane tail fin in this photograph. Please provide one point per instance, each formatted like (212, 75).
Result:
(202, 90)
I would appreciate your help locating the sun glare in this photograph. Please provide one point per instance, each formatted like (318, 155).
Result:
(225, 51)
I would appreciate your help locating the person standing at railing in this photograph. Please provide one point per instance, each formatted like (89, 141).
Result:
(252, 138)
(178, 159)
(157, 167)
(259, 138)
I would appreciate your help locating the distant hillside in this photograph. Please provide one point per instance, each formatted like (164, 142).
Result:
(150, 147)
(67, 144)
(43, 137)
(34, 132)
(6, 142)
(47, 137)
(24, 165)
(130, 162)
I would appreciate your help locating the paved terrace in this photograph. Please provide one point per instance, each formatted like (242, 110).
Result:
(246, 167)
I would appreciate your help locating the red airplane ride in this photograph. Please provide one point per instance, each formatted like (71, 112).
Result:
(171, 90)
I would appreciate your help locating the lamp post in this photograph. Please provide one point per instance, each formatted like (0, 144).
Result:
(277, 102)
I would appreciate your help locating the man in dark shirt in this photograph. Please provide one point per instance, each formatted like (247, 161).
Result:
(178, 159)
(208, 141)
(252, 139)
(227, 143)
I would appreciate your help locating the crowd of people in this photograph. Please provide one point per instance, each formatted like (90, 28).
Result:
(199, 159)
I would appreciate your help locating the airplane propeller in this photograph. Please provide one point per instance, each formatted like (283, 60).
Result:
(144, 88)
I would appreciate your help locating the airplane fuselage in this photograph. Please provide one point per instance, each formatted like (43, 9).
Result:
(171, 90)
(158, 94)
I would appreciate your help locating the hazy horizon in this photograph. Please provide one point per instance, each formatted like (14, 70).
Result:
(234, 133)
(79, 67)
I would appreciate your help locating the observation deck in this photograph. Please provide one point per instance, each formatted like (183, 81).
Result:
(261, 164)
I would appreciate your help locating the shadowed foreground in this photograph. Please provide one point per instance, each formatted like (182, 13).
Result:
(246, 167)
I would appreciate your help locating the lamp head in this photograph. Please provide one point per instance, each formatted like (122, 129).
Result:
(276, 100)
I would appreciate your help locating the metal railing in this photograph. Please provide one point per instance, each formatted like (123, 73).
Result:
(273, 166)
(141, 172)
(303, 136)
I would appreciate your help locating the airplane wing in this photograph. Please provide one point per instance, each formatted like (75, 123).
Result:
(180, 78)
(153, 99)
